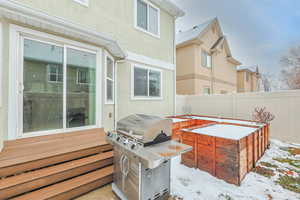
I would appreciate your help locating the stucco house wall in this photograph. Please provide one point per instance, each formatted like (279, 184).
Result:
(247, 86)
(117, 20)
(192, 77)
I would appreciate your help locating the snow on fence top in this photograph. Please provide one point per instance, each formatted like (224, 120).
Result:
(232, 121)
(175, 120)
(233, 132)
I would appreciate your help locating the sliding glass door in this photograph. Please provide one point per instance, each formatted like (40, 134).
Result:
(59, 87)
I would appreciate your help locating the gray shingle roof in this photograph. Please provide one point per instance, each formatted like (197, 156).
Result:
(192, 33)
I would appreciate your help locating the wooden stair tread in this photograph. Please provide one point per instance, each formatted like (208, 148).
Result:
(32, 148)
(34, 175)
(30, 140)
(67, 186)
(18, 160)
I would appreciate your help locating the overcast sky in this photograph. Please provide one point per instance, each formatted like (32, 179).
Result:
(259, 31)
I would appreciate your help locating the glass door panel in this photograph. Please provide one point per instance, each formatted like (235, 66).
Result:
(43, 86)
(81, 88)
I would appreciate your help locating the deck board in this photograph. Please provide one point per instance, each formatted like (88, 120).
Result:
(23, 151)
(71, 188)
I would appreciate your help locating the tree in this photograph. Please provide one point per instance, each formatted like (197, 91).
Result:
(265, 83)
(291, 68)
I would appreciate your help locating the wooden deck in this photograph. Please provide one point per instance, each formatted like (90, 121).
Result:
(61, 166)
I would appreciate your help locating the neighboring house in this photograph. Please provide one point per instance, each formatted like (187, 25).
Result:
(72, 65)
(248, 79)
(205, 64)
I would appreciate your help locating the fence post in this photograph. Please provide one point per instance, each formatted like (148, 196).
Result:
(234, 111)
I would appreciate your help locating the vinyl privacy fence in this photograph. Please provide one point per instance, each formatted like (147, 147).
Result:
(284, 105)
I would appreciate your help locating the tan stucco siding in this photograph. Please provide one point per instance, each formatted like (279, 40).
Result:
(224, 70)
(201, 85)
(240, 81)
(127, 106)
(247, 86)
(185, 87)
(116, 19)
(185, 60)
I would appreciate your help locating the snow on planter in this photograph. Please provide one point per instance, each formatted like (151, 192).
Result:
(226, 148)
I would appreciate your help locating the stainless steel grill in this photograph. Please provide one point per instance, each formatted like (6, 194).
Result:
(142, 153)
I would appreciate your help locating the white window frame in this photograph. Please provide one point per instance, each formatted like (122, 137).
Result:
(83, 2)
(133, 97)
(15, 107)
(49, 74)
(158, 18)
(1, 64)
(247, 76)
(107, 78)
(207, 55)
(77, 79)
(208, 90)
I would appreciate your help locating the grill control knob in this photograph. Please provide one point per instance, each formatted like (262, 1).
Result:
(118, 139)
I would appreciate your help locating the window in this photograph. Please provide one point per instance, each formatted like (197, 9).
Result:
(83, 2)
(146, 82)
(83, 76)
(206, 91)
(109, 80)
(66, 104)
(147, 17)
(247, 76)
(55, 73)
(206, 59)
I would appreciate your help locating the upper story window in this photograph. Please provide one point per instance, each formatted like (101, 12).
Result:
(147, 17)
(147, 83)
(83, 2)
(206, 59)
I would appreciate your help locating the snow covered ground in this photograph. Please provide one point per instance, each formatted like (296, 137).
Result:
(193, 184)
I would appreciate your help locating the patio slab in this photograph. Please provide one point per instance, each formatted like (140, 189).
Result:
(104, 193)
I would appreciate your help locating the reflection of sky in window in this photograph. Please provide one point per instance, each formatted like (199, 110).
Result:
(53, 54)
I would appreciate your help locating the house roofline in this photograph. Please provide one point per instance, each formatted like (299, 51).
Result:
(170, 7)
(17, 12)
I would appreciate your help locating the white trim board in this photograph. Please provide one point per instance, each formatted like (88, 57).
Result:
(83, 2)
(145, 60)
(13, 10)
(170, 7)
(1, 64)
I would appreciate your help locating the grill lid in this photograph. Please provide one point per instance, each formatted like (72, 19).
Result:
(147, 129)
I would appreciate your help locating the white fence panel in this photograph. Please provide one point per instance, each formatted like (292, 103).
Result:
(284, 105)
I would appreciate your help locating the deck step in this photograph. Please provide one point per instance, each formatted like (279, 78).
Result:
(73, 187)
(26, 182)
(34, 153)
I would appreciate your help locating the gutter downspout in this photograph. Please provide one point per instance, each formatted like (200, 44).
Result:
(211, 74)
(175, 74)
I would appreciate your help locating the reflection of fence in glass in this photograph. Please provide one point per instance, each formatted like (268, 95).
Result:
(40, 111)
